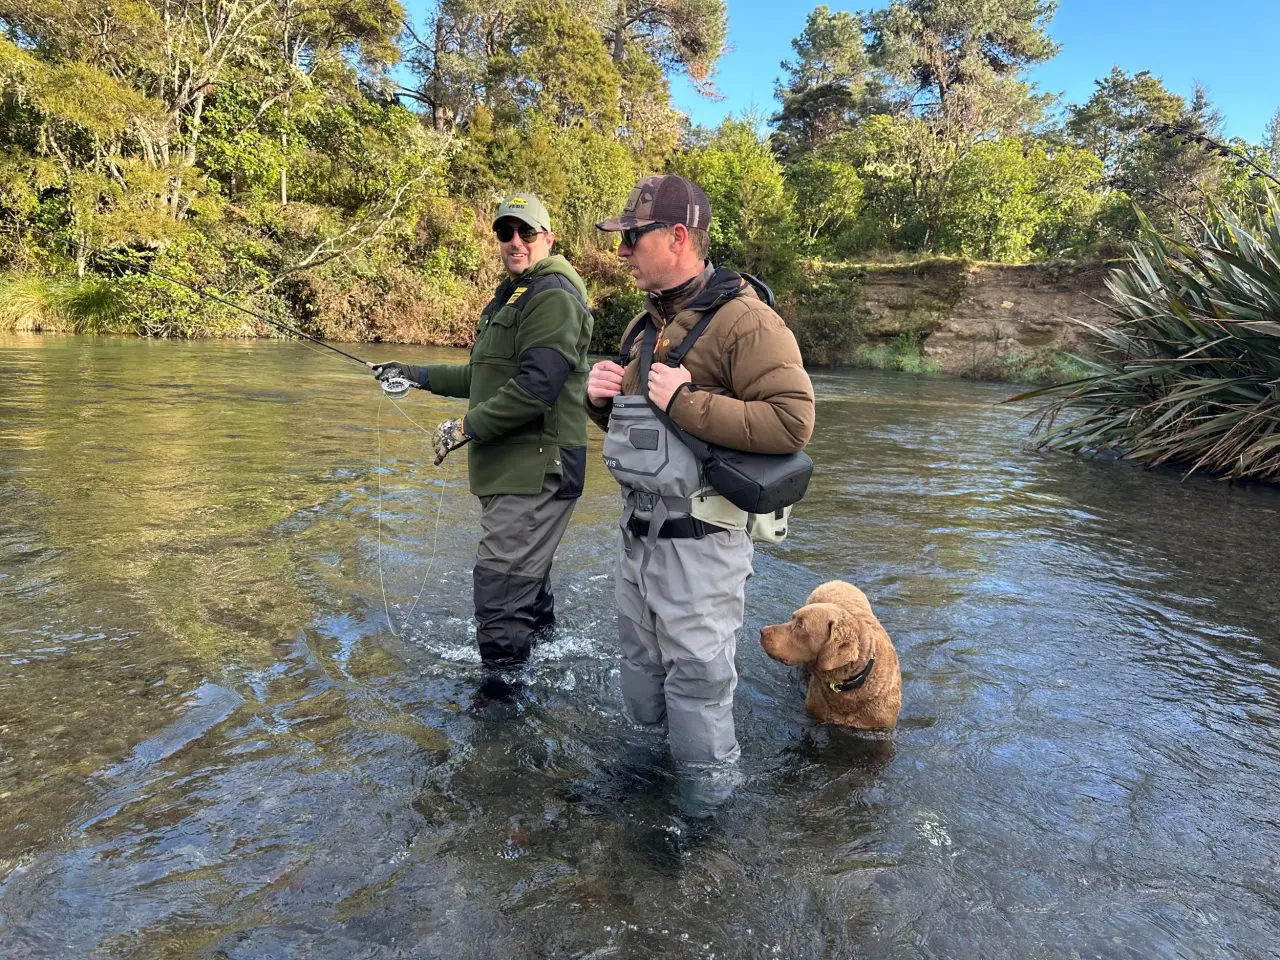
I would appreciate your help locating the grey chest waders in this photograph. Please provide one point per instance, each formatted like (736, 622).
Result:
(676, 485)
(658, 473)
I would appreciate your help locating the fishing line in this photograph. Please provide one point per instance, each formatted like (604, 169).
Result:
(435, 534)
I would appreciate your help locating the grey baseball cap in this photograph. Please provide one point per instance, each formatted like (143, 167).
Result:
(525, 207)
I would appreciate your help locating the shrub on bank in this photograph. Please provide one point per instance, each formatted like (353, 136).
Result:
(825, 312)
(903, 353)
(39, 304)
(1043, 365)
(1187, 374)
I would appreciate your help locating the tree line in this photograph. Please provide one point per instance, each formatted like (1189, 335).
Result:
(333, 163)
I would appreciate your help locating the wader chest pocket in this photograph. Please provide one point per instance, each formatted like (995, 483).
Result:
(643, 438)
(642, 454)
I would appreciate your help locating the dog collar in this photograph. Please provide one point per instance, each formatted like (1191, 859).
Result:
(854, 682)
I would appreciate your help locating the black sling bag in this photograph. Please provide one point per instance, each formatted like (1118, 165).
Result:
(754, 482)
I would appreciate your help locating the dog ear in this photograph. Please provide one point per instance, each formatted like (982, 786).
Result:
(844, 643)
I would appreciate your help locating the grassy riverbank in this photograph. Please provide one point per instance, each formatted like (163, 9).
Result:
(937, 315)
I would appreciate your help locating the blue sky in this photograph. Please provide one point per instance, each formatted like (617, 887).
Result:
(1229, 47)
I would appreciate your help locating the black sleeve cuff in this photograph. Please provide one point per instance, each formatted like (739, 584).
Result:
(672, 402)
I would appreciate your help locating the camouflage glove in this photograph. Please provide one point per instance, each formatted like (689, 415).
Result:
(417, 376)
(449, 436)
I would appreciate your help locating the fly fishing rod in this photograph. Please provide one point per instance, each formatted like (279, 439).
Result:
(394, 387)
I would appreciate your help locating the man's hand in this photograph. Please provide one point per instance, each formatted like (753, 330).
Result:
(604, 382)
(449, 436)
(394, 368)
(664, 381)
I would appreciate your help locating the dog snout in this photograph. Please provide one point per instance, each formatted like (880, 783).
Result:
(771, 638)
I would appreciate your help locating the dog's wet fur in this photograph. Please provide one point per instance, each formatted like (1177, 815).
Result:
(835, 634)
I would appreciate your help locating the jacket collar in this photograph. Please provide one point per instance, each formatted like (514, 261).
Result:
(710, 288)
(547, 264)
(665, 304)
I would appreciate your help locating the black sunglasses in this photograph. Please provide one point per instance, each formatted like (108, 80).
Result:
(632, 234)
(505, 231)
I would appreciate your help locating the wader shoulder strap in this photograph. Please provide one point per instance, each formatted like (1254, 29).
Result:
(676, 356)
(645, 326)
(649, 331)
(699, 449)
(637, 328)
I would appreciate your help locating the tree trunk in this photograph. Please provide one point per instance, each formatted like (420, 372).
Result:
(439, 116)
(620, 32)
(82, 255)
(284, 170)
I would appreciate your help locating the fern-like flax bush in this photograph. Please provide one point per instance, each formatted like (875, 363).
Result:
(1189, 373)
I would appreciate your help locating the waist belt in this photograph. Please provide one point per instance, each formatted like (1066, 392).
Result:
(679, 529)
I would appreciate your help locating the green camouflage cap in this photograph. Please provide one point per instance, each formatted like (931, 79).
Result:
(525, 207)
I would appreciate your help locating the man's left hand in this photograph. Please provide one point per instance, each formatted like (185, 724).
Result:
(664, 381)
(449, 436)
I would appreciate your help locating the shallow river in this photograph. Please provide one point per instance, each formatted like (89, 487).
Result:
(218, 740)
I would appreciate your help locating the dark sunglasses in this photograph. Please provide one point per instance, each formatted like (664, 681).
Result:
(505, 231)
(632, 234)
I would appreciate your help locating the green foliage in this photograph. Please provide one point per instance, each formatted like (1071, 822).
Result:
(1187, 372)
(992, 208)
(1009, 200)
(158, 308)
(828, 196)
(916, 123)
(30, 302)
(1171, 179)
(1041, 365)
(903, 353)
(904, 168)
(822, 93)
(687, 35)
(753, 221)
(959, 61)
(599, 172)
(558, 67)
(826, 312)
(649, 126)
(1112, 123)
(1271, 143)
(612, 315)
(1069, 189)
(1241, 188)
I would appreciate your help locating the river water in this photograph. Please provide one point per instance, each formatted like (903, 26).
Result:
(217, 741)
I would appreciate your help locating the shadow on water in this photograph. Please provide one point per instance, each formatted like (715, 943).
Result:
(217, 740)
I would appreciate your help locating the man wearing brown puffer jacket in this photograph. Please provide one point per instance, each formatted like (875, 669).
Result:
(684, 553)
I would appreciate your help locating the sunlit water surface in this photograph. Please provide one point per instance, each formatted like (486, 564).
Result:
(215, 742)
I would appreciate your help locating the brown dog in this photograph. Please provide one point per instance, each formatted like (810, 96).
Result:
(854, 680)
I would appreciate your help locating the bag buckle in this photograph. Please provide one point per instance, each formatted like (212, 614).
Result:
(644, 501)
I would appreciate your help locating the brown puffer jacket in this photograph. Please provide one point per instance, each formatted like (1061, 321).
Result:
(751, 390)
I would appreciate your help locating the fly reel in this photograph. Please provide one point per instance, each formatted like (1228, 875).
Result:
(396, 388)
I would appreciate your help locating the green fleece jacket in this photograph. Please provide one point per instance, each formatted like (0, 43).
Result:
(526, 384)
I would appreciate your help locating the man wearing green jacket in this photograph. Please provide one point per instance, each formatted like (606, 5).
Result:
(526, 426)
